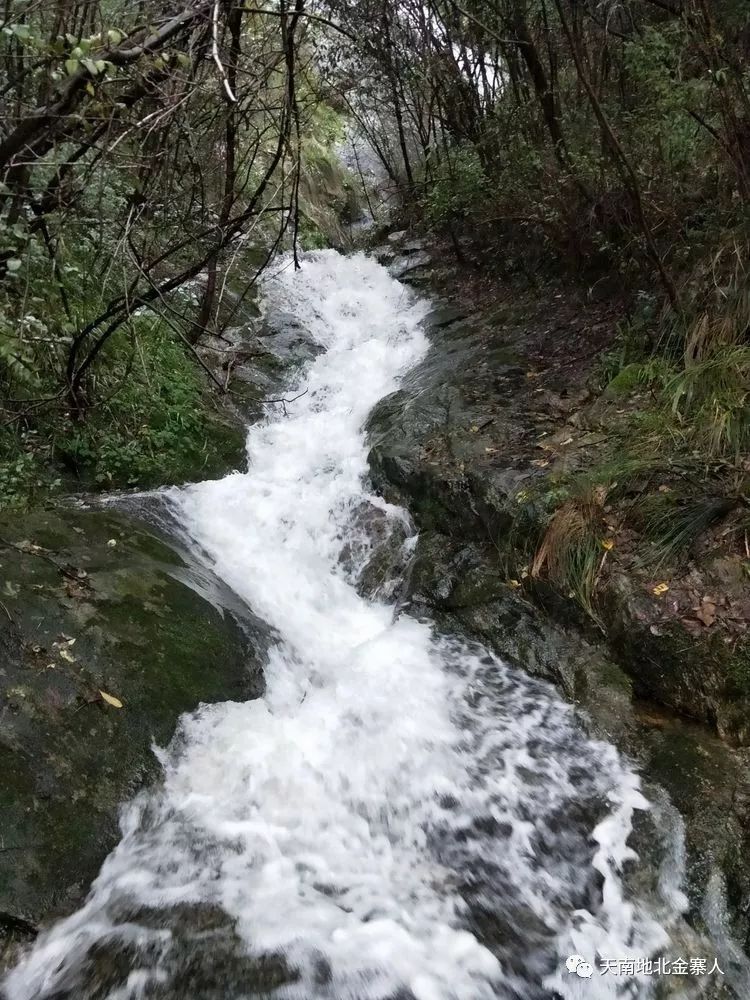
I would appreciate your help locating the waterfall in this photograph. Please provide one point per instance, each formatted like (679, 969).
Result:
(402, 814)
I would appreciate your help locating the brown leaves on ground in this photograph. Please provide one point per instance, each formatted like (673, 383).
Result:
(706, 611)
(727, 615)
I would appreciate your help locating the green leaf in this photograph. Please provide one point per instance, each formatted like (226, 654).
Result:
(90, 66)
(21, 31)
(71, 66)
(13, 264)
(115, 36)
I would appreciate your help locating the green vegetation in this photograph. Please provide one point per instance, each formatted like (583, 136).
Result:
(570, 552)
(153, 157)
(601, 141)
(154, 421)
(606, 144)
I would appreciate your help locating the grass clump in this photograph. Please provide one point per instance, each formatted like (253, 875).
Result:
(674, 525)
(570, 554)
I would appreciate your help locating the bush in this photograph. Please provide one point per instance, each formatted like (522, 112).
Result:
(459, 188)
(156, 424)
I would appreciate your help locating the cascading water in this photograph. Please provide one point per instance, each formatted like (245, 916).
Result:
(401, 815)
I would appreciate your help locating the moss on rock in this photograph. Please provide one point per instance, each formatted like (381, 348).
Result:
(92, 603)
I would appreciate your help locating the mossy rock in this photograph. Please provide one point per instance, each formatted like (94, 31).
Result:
(706, 678)
(94, 602)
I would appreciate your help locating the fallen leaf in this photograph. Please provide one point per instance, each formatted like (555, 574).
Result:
(608, 544)
(660, 588)
(706, 612)
(112, 542)
(474, 429)
(72, 589)
(110, 699)
(514, 584)
(540, 463)
(64, 654)
(691, 626)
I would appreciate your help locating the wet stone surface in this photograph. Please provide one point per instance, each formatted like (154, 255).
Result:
(95, 603)
(455, 445)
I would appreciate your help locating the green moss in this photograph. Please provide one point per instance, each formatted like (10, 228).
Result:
(157, 423)
(160, 427)
(128, 623)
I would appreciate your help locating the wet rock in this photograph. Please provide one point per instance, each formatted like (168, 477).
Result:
(94, 605)
(462, 445)
(411, 265)
(453, 580)
(444, 315)
(377, 552)
(256, 362)
(184, 951)
(383, 254)
(708, 679)
(287, 339)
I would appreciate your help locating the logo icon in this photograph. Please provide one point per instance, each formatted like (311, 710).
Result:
(577, 964)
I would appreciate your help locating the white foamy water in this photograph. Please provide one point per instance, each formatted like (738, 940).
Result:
(401, 815)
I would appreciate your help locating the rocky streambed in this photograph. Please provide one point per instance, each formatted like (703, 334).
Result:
(108, 634)
(458, 446)
(110, 628)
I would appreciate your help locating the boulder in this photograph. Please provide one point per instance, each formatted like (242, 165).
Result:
(107, 634)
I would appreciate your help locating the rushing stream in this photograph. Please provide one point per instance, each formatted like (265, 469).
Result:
(401, 815)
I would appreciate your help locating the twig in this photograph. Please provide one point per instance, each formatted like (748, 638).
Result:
(70, 574)
(284, 401)
(217, 57)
